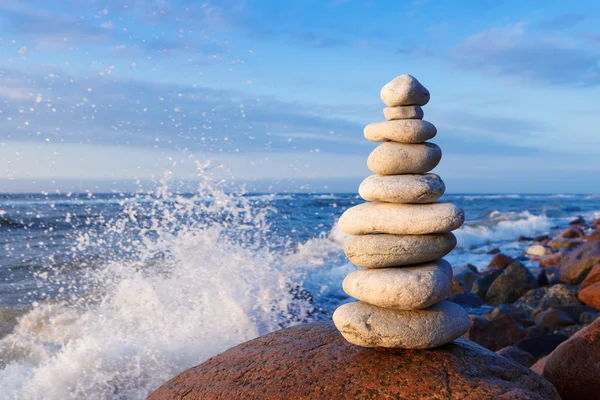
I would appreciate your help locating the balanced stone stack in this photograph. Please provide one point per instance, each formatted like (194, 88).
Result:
(401, 233)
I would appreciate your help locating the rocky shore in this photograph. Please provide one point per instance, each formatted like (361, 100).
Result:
(403, 334)
(526, 323)
(545, 317)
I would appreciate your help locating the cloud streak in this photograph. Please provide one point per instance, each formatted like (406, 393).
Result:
(515, 52)
(55, 106)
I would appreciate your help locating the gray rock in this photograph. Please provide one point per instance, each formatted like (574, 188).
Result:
(466, 277)
(587, 317)
(369, 326)
(482, 285)
(402, 188)
(404, 90)
(401, 219)
(380, 251)
(472, 268)
(517, 355)
(513, 283)
(393, 158)
(403, 112)
(467, 300)
(402, 131)
(531, 300)
(404, 288)
(553, 319)
(563, 244)
(541, 346)
(575, 311)
(558, 296)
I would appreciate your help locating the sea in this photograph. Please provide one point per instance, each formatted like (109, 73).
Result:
(108, 295)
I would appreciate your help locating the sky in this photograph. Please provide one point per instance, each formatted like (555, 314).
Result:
(103, 95)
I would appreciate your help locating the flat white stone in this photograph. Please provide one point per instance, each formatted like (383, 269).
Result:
(393, 158)
(402, 131)
(380, 251)
(401, 219)
(404, 90)
(404, 288)
(403, 112)
(402, 188)
(538, 250)
(370, 326)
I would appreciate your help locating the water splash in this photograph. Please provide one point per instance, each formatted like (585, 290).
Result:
(194, 276)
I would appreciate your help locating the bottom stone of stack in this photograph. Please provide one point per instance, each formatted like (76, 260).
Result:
(366, 325)
(404, 288)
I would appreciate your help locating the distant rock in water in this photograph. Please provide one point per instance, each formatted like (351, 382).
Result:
(313, 361)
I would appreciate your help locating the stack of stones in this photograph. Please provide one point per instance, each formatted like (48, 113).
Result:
(401, 233)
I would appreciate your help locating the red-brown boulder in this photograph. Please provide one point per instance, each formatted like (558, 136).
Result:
(497, 333)
(500, 261)
(590, 295)
(553, 319)
(572, 232)
(517, 355)
(313, 361)
(539, 366)
(551, 260)
(592, 277)
(573, 367)
(575, 266)
(595, 235)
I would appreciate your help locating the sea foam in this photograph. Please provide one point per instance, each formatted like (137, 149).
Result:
(199, 279)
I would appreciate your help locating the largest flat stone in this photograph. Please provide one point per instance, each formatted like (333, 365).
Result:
(404, 288)
(401, 219)
(313, 361)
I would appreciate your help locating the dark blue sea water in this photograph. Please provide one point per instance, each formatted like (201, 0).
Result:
(115, 293)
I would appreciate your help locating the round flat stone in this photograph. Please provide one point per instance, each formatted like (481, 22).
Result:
(404, 288)
(403, 112)
(370, 326)
(381, 251)
(402, 188)
(402, 131)
(404, 90)
(401, 219)
(393, 158)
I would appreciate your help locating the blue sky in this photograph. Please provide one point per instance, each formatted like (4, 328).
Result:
(98, 94)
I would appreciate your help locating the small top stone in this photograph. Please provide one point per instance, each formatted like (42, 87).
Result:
(404, 90)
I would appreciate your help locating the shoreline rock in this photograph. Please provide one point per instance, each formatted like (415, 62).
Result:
(313, 361)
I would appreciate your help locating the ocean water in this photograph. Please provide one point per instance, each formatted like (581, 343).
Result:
(108, 295)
